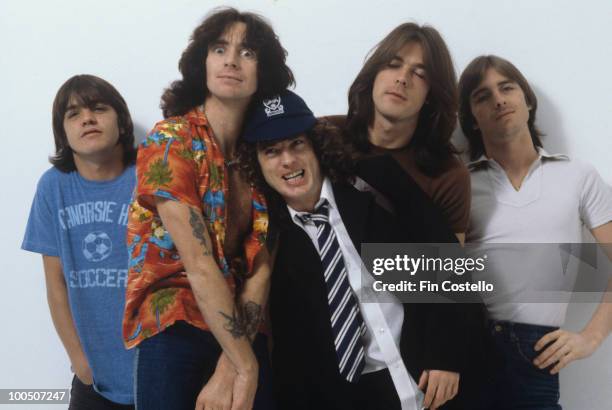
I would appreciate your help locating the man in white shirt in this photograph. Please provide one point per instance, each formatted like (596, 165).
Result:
(331, 350)
(521, 194)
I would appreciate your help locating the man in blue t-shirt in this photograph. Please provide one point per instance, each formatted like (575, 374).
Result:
(77, 222)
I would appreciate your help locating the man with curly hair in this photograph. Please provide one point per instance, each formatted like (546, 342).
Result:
(199, 269)
(332, 350)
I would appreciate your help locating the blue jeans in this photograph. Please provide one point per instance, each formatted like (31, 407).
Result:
(174, 365)
(517, 383)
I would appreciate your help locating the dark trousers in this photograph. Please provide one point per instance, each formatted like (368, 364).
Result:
(174, 365)
(84, 397)
(373, 391)
(516, 382)
(376, 391)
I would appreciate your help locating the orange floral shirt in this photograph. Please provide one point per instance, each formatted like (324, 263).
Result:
(179, 160)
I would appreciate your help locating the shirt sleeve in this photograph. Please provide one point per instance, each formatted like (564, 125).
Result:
(166, 165)
(595, 200)
(40, 235)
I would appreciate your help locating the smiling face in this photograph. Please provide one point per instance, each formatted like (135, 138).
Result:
(292, 169)
(400, 88)
(92, 131)
(499, 107)
(231, 67)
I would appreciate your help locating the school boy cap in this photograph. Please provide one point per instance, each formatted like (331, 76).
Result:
(283, 116)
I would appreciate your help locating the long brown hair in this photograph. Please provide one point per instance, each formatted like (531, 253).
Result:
(437, 118)
(273, 75)
(89, 90)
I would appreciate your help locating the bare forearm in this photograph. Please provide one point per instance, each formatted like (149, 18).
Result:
(215, 301)
(254, 297)
(252, 305)
(600, 325)
(213, 296)
(64, 325)
(57, 298)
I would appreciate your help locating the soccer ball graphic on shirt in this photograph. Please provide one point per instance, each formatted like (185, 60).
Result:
(97, 246)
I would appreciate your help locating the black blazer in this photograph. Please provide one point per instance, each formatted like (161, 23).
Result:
(304, 360)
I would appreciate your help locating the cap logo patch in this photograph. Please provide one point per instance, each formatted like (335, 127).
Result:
(273, 106)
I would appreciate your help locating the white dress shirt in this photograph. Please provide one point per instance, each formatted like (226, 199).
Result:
(383, 320)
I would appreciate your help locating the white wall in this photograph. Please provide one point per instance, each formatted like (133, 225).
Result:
(563, 48)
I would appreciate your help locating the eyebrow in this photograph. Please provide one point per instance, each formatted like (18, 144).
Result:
(222, 42)
(483, 89)
(399, 58)
(93, 104)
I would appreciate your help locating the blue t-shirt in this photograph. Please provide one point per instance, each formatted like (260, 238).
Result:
(84, 223)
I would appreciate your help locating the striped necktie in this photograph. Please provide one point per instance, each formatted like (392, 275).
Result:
(346, 321)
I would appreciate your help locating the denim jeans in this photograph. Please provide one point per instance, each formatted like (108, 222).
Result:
(174, 365)
(517, 383)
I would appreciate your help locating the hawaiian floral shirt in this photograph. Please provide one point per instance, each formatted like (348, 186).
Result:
(179, 160)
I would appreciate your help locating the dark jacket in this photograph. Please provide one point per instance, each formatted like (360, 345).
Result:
(304, 358)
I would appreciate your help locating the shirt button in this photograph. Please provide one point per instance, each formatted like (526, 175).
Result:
(381, 330)
(498, 328)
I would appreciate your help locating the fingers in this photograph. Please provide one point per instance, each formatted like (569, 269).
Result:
(561, 352)
(430, 394)
(565, 360)
(546, 339)
(423, 380)
(442, 386)
(555, 350)
(216, 393)
(210, 405)
(451, 390)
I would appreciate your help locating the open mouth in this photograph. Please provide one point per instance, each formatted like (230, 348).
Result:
(293, 175)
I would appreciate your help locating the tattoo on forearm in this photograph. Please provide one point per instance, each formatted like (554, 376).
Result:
(251, 316)
(233, 324)
(199, 230)
(244, 322)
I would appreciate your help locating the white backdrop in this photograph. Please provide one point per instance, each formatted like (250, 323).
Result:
(563, 47)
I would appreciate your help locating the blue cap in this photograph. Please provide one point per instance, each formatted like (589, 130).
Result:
(277, 118)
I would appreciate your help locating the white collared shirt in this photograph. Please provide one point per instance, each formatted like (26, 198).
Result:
(383, 320)
(557, 198)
